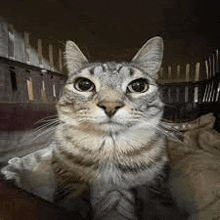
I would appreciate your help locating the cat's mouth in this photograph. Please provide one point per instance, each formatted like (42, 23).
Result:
(113, 125)
(110, 122)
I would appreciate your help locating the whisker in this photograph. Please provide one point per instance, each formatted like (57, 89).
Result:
(47, 120)
(51, 130)
(43, 129)
(46, 125)
(168, 125)
(41, 136)
(50, 117)
(170, 132)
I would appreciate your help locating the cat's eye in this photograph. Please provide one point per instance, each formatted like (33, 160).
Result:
(84, 85)
(138, 86)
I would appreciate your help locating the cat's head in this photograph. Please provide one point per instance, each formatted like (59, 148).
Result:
(110, 96)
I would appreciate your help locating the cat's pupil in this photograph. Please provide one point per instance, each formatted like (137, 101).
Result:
(139, 85)
(84, 84)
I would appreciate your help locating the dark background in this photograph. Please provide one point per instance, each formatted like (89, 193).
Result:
(116, 29)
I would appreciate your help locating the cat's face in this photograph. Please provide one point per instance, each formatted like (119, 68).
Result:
(112, 97)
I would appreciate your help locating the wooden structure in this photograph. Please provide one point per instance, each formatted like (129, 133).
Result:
(32, 75)
(30, 79)
(191, 90)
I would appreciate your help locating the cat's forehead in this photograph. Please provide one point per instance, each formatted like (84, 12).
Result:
(111, 71)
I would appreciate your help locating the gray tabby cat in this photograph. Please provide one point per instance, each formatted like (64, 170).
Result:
(108, 140)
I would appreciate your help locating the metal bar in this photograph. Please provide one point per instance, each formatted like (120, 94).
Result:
(218, 91)
(207, 86)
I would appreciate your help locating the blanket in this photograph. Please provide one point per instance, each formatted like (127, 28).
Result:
(195, 176)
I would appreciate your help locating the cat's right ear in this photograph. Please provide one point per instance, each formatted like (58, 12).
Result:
(75, 59)
(149, 57)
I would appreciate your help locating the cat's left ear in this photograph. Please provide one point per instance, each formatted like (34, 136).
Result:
(150, 56)
(75, 59)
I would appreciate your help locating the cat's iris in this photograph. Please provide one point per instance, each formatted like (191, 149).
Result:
(84, 85)
(138, 86)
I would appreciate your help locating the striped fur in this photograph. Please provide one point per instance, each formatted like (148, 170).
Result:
(108, 139)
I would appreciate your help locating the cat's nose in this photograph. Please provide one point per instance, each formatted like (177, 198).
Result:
(109, 107)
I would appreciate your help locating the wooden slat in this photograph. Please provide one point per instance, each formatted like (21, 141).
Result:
(6, 92)
(21, 75)
(169, 95)
(169, 72)
(27, 47)
(213, 65)
(11, 42)
(196, 89)
(187, 79)
(54, 91)
(43, 92)
(207, 77)
(49, 87)
(187, 72)
(37, 85)
(218, 91)
(196, 94)
(60, 60)
(206, 69)
(210, 76)
(51, 56)
(30, 89)
(34, 57)
(19, 48)
(197, 71)
(178, 94)
(178, 71)
(3, 38)
(186, 93)
(210, 67)
(40, 53)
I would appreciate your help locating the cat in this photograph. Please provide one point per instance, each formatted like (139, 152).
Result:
(108, 141)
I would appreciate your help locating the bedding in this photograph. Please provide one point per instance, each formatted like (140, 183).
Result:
(195, 176)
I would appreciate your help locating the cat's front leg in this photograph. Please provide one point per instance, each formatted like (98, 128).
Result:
(72, 201)
(117, 204)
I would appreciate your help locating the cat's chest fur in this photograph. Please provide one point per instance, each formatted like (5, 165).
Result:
(118, 161)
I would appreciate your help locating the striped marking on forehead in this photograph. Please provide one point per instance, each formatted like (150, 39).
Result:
(112, 68)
